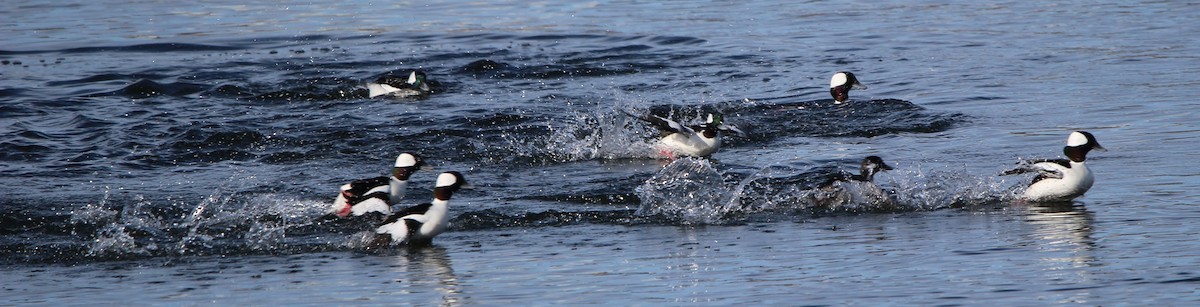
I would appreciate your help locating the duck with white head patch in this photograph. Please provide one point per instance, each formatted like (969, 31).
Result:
(1061, 180)
(697, 140)
(840, 85)
(415, 85)
(842, 188)
(867, 169)
(377, 194)
(417, 225)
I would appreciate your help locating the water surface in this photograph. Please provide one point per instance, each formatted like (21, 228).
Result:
(183, 154)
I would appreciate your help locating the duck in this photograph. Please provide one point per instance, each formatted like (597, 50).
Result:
(415, 85)
(418, 225)
(840, 85)
(695, 141)
(1060, 180)
(377, 194)
(867, 169)
(844, 188)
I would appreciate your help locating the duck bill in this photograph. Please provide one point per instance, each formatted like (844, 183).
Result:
(1097, 147)
(858, 85)
(735, 130)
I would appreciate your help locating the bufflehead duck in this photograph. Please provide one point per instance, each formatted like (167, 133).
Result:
(843, 188)
(867, 169)
(417, 225)
(1060, 180)
(870, 166)
(377, 194)
(414, 86)
(840, 85)
(697, 141)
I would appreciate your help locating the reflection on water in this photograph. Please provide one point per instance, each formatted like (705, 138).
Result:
(1066, 226)
(1064, 231)
(429, 267)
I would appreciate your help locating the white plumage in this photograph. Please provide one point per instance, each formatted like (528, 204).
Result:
(417, 225)
(1061, 179)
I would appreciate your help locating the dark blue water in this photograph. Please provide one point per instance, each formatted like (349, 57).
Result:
(184, 155)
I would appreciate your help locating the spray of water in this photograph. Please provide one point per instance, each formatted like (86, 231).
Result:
(688, 190)
(604, 131)
(220, 223)
(695, 191)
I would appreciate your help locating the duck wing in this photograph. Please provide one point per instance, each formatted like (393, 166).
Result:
(666, 126)
(417, 209)
(1046, 168)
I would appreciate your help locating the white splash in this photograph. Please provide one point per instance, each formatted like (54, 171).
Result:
(693, 191)
(117, 235)
(688, 190)
(604, 133)
(141, 228)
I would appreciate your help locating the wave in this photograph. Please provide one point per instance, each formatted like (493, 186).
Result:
(164, 132)
(687, 191)
(605, 132)
(151, 48)
(144, 88)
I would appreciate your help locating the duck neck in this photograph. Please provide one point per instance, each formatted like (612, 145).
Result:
(439, 209)
(442, 194)
(396, 188)
(867, 174)
(840, 93)
(1076, 153)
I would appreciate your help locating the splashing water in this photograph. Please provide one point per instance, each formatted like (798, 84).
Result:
(603, 133)
(693, 191)
(919, 189)
(688, 190)
(120, 233)
(222, 222)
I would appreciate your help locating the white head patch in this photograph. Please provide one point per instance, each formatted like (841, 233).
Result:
(838, 80)
(412, 78)
(1076, 139)
(406, 160)
(446, 179)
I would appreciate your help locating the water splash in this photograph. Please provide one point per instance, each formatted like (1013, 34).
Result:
(221, 223)
(603, 133)
(193, 220)
(919, 188)
(694, 191)
(688, 190)
(95, 213)
(114, 241)
(120, 233)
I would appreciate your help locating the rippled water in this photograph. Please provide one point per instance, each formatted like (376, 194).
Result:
(184, 153)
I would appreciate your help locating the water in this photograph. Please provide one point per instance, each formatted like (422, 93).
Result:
(184, 153)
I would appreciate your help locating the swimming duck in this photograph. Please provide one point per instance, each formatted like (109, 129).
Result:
(417, 225)
(377, 194)
(697, 141)
(394, 86)
(843, 188)
(1061, 180)
(867, 169)
(840, 85)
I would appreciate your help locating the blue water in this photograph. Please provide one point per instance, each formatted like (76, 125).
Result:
(184, 153)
